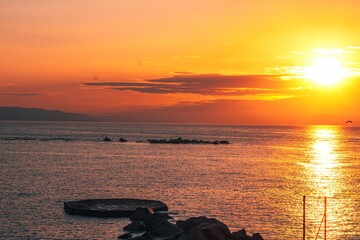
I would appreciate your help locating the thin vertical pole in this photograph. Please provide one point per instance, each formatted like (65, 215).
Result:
(325, 208)
(304, 216)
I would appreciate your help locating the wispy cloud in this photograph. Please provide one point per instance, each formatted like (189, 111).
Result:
(209, 84)
(334, 51)
(21, 94)
(354, 47)
(186, 57)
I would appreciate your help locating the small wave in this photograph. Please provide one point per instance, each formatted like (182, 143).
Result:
(57, 139)
(19, 139)
(25, 194)
(36, 139)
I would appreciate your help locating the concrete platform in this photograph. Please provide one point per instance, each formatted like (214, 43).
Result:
(121, 207)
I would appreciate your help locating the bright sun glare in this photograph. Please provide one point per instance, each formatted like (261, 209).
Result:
(326, 71)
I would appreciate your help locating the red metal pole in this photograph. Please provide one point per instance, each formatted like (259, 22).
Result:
(304, 216)
(325, 208)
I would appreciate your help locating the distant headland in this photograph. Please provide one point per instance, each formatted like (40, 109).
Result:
(36, 114)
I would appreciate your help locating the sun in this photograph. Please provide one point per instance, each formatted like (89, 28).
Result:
(326, 70)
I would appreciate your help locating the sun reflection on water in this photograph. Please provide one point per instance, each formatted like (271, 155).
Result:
(324, 160)
(324, 155)
(324, 178)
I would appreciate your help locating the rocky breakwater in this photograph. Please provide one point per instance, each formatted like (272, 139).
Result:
(147, 225)
(106, 139)
(186, 141)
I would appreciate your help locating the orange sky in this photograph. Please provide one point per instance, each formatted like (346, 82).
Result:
(186, 61)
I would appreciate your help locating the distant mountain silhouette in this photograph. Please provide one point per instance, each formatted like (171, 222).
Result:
(36, 114)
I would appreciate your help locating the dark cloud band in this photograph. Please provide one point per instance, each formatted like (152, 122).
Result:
(208, 84)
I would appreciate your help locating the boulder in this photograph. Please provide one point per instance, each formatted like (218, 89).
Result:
(144, 236)
(152, 220)
(211, 230)
(125, 236)
(166, 229)
(106, 139)
(239, 235)
(135, 227)
(183, 237)
(122, 140)
(191, 222)
(181, 224)
(162, 215)
(257, 236)
(140, 214)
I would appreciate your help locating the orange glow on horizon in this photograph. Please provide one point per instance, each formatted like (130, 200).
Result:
(262, 54)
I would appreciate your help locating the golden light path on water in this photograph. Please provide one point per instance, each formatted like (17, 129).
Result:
(325, 160)
(324, 173)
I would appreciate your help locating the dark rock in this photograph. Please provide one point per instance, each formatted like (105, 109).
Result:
(168, 238)
(191, 222)
(181, 224)
(144, 236)
(125, 236)
(106, 139)
(185, 141)
(166, 229)
(135, 227)
(257, 236)
(122, 140)
(239, 235)
(140, 214)
(183, 237)
(152, 220)
(163, 215)
(211, 230)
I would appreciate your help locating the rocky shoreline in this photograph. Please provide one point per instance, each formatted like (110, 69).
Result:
(148, 225)
(186, 141)
(178, 140)
(151, 221)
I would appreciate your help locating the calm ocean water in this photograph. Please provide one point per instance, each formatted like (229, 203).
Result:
(256, 182)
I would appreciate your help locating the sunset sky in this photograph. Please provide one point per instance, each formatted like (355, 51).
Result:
(202, 61)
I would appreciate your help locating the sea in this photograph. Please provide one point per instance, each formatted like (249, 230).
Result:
(257, 182)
